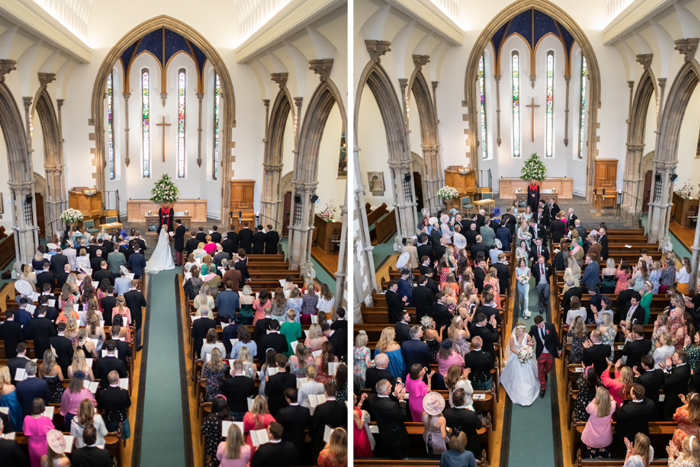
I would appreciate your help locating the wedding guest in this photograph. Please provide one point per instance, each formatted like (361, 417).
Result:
(577, 335)
(390, 415)
(8, 398)
(74, 395)
(597, 435)
(687, 416)
(211, 428)
(621, 384)
(335, 453)
(467, 421)
(435, 433)
(458, 378)
(689, 456)
(457, 455)
(259, 241)
(87, 416)
(36, 426)
(258, 418)
(639, 454)
(55, 452)
(417, 389)
(233, 452)
(11, 454)
(587, 385)
(447, 356)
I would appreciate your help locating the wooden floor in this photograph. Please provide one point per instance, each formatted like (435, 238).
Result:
(685, 235)
(328, 260)
(383, 271)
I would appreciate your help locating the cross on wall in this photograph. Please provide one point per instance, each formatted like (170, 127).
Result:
(164, 125)
(532, 120)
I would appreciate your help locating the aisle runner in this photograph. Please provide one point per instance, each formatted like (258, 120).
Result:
(162, 435)
(531, 433)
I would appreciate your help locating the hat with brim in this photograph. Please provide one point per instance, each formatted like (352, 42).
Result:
(403, 260)
(433, 220)
(433, 403)
(24, 287)
(56, 441)
(51, 246)
(444, 219)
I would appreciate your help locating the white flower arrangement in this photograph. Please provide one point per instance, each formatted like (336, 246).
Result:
(525, 354)
(71, 215)
(533, 168)
(448, 192)
(164, 191)
(523, 278)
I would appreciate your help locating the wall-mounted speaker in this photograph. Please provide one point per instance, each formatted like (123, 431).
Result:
(314, 198)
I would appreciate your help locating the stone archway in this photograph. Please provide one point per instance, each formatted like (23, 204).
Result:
(393, 115)
(228, 119)
(53, 159)
(20, 170)
(635, 136)
(472, 74)
(430, 139)
(285, 185)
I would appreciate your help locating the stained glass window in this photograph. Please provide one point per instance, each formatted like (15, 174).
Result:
(549, 126)
(181, 146)
(482, 109)
(515, 76)
(581, 129)
(145, 124)
(110, 125)
(217, 107)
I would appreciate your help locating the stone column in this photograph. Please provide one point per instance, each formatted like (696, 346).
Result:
(26, 234)
(404, 197)
(271, 199)
(364, 277)
(301, 227)
(633, 178)
(341, 273)
(30, 168)
(659, 207)
(61, 185)
(430, 154)
(695, 259)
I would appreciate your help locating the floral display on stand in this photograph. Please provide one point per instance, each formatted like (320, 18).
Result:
(71, 216)
(164, 191)
(533, 169)
(447, 192)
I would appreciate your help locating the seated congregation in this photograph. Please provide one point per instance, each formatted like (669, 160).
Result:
(622, 322)
(264, 365)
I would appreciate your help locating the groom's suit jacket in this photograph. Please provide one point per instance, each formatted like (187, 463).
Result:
(551, 340)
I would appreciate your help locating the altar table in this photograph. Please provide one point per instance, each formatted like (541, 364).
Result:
(136, 209)
(544, 195)
(153, 222)
(564, 187)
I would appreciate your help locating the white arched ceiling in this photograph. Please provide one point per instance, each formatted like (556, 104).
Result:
(6, 38)
(664, 43)
(301, 65)
(689, 23)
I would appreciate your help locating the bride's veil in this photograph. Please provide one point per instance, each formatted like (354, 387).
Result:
(508, 353)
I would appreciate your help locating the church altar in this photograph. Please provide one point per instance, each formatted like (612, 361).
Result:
(508, 187)
(544, 195)
(153, 221)
(136, 209)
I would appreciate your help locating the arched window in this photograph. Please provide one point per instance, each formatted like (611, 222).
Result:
(181, 141)
(217, 104)
(482, 109)
(581, 128)
(110, 125)
(145, 124)
(515, 77)
(549, 115)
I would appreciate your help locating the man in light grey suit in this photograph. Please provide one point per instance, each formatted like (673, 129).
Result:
(488, 236)
(116, 259)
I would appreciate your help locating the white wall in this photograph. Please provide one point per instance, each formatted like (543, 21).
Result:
(330, 186)
(688, 163)
(374, 153)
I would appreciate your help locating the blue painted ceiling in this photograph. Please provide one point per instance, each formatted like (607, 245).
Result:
(163, 44)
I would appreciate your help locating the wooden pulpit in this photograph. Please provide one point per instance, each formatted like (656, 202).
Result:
(242, 204)
(89, 205)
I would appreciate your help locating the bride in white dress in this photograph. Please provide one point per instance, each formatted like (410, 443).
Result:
(162, 257)
(520, 379)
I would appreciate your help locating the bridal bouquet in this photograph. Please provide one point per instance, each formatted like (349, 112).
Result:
(523, 279)
(527, 235)
(525, 354)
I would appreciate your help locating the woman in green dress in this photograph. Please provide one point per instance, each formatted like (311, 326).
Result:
(291, 330)
(645, 303)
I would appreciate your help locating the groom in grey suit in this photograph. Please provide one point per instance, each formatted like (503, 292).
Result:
(548, 348)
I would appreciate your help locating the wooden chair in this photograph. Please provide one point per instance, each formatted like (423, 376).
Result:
(467, 207)
(90, 226)
(112, 225)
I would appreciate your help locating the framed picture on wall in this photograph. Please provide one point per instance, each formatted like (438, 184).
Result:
(376, 183)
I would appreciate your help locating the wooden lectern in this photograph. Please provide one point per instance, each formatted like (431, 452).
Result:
(464, 183)
(89, 205)
(242, 204)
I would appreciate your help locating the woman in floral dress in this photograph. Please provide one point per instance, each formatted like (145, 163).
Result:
(214, 371)
(609, 331)
(587, 384)
(300, 360)
(687, 416)
(493, 280)
(211, 427)
(692, 348)
(361, 359)
(578, 333)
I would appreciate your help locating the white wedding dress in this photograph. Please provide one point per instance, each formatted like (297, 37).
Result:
(162, 257)
(520, 379)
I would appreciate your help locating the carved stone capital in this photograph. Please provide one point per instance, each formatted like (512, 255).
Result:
(163, 97)
(6, 66)
(127, 95)
(200, 96)
(322, 67)
(533, 78)
(435, 85)
(46, 78)
(401, 166)
(59, 103)
(421, 60)
(567, 78)
(280, 79)
(27, 102)
(273, 167)
(304, 187)
(687, 47)
(645, 60)
(662, 83)
(497, 78)
(377, 48)
(297, 102)
(266, 102)
(403, 83)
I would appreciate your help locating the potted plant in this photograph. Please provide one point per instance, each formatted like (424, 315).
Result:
(71, 217)
(164, 191)
(534, 169)
(449, 195)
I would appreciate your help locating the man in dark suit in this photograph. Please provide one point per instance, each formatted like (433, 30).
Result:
(390, 416)
(480, 274)
(40, 330)
(441, 315)
(634, 314)
(273, 339)
(487, 330)
(676, 383)
(46, 277)
(510, 219)
(90, 455)
(464, 420)
(340, 322)
(295, 419)
(108, 302)
(103, 273)
(261, 327)
(32, 388)
(591, 275)
(634, 417)
(201, 235)
(277, 452)
(394, 302)
(596, 353)
(471, 235)
(109, 363)
(542, 272)
(502, 272)
(237, 390)
(22, 315)
(423, 298)
(538, 250)
(11, 454)
(229, 245)
(557, 228)
(272, 239)
(551, 209)
(136, 301)
(96, 261)
(331, 413)
(192, 243)
(548, 348)
(245, 236)
(488, 308)
(650, 378)
(401, 328)
(479, 363)
(603, 240)
(179, 241)
(115, 401)
(414, 350)
(572, 292)
(137, 263)
(20, 361)
(233, 236)
(435, 235)
(124, 352)
(338, 339)
(51, 311)
(259, 241)
(277, 383)
(504, 234)
(11, 334)
(378, 373)
(479, 246)
(537, 230)
(215, 235)
(63, 347)
(58, 262)
(241, 265)
(571, 219)
(424, 248)
(200, 328)
(623, 300)
(62, 277)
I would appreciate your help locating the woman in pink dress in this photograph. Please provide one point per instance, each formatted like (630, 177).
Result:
(36, 426)
(417, 389)
(261, 305)
(623, 274)
(687, 416)
(492, 279)
(447, 356)
(597, 435)
(258, 418)
(361, 444)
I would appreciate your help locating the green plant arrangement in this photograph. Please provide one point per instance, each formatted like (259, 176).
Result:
(71, 215)
(447, 192)
(164, 191)
(533, 169)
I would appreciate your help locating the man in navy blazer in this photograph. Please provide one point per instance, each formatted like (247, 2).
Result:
(415, 350)
(31, 388)
(137, 263)
(591, 275)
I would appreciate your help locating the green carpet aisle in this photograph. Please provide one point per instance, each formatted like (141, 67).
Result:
(162, 442)
(531, 435)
